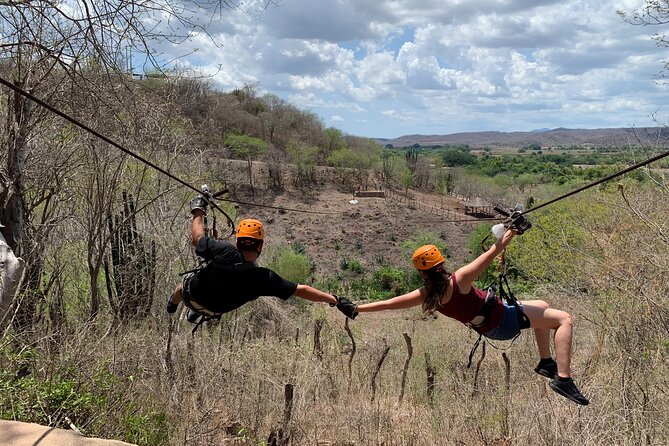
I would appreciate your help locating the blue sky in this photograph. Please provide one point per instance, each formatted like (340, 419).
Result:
(390, 68)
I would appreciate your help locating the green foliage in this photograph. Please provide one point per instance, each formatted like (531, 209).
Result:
(424, 238)
(551, 252)
(352, 265)
(457, 157)
(558, 245)
(299, 248)
(395, 281)
(519, 282)
(335, 140)
(145, 427)
(392, 168)
(406, 177)
(381, 283)
(291, 265)
(476, 248)
(304, 158)
(33, 400)
(558, 168)
(245, 146)
(360, 154)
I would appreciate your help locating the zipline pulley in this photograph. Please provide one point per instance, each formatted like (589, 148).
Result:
(210, 197)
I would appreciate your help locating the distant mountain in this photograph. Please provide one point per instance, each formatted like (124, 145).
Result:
(647, 136)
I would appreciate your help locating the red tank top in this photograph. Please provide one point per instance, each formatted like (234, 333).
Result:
(465, 307)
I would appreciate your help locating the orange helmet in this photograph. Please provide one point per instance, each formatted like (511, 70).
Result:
(250, 228)
(427, 257)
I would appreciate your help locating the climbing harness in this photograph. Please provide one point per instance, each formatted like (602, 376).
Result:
(202, 314)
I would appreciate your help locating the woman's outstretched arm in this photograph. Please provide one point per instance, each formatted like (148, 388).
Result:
(467, 274)
(408, 300)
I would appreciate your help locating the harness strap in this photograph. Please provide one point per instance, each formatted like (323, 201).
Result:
(193, 304)
(234, 267)
(204, 319)
(507, 296)
(473, 350)
(488, 306)
(523, 320)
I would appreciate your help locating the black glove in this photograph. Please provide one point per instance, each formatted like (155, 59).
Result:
(346, 306)
(198, 203)
(518, 223)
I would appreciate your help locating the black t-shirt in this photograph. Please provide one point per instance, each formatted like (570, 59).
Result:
(222, 290)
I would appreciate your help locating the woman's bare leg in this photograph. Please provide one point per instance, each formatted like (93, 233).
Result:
(542, 335)
(542, 320)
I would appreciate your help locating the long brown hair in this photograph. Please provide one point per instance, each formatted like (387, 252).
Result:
(436, 282)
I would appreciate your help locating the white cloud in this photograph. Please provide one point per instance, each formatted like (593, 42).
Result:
(440, 66)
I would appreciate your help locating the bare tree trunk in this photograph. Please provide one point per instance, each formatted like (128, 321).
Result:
(11, 273)
(11, 198)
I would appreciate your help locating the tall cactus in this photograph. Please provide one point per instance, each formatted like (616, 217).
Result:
(133, 264)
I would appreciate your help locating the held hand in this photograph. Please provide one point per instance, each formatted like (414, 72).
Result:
(347, 307)
(198, 203)
(498, 230)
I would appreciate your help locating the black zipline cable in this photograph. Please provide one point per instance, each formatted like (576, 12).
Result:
(138, 157)
(607, 178)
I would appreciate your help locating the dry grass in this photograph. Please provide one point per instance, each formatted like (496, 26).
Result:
(228, 382)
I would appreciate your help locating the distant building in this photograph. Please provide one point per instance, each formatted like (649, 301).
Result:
(478, 207)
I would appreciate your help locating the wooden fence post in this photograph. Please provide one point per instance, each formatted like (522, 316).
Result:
(431, 373)
(282, 435)
(318, 349)
(407, 340)
(350, 357)
(378, 367)
(507, 393)
(478, 367)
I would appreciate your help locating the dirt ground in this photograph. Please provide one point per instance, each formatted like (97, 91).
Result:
(371, 230)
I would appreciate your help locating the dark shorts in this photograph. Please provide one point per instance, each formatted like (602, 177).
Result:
(509, 325)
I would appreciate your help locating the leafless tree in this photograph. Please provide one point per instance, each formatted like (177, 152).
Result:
(422, 172)
(652, 13)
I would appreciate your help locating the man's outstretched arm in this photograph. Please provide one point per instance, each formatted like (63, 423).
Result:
(315, 295)
(197, 227)
(198, 207)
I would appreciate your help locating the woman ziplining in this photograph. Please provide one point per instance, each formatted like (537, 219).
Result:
(454, 295)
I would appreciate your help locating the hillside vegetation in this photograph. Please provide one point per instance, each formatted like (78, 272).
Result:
(104, 238)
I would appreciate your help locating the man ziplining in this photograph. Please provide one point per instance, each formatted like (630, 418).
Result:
(230, 277)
